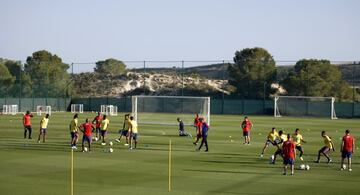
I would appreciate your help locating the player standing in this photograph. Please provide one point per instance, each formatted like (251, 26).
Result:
(204, 128)
(347, 149)
(288, 149)
(273, 135)
(43, 127)
(97, 122)
(326, 149)
(246, 126)
(103, 128)
(87, 129)
(298, 138)
(74, 128)
(198, 131)
(125, 130)
(27, 124)
(279, 143)
(133, 132)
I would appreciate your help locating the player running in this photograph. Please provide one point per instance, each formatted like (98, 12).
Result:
(279, 143)
(43, 127)
(326, 149)
(289, 154)
(97, 122)
(27, 124)
(347, 149)
(298, 138)
(246, 126)
(133, 132)
(125, 130)
(74, 129)
(103, 128)
(204, 128)
(271, 138)
(87, 128)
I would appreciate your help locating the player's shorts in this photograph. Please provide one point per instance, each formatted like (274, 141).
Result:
(86, 139)
(28, 128)
(73, 135)
(325, 149)
(123, 132)
(246, 133)
(204, 134)
(103, 132)
(134, 136)
(268, 142)
(346, 154)
(43, 130)
(289, 161)
(98, 129)
(299, 148)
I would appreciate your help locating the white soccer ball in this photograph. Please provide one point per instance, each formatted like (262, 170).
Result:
(85, 149)
(302, 167)
(307, 167)
(110, 143)
(111, 150)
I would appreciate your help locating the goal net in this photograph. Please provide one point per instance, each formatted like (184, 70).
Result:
(164, 110)
(10, 109)
(77, 108)
(110, 110)
(304, 106)
(43, 110)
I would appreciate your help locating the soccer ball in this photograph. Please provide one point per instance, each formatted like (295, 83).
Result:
(85, 149)
(111, 150)
(302, 167)
(110, 143)
(307, 167)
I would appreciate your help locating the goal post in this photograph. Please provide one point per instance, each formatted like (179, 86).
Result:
(10, 109)
(110, 110)
(164, 110)
(77, 108)
(41, 109)
(304, 106)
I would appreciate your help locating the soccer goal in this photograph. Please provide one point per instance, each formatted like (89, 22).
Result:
(164, 110)
(77, 108)
(110, 110)
(10, 109)
(43, 109)
(304, 106)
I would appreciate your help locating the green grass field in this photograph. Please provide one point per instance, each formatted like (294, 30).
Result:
(229, 168)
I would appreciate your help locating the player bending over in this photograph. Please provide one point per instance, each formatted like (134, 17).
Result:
(43, 127)
(289, 154)
(97, 121)
(204, 129)
(133, 132)
(74, 128)
(87, 128)
(347, 149)
(125, 130)
(182, 131)
(279, 143)
(327, 148)
(27, 124)
(273, 135)
(298, 138)
(103, 128)
(246, 126)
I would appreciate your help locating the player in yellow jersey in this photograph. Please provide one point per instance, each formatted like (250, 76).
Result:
(43, 127)
(272, 136)
(298, 138)
(103, 128)
(74, 129)
(327, 148)
(133, 132)
(125, 130)
(279, 142)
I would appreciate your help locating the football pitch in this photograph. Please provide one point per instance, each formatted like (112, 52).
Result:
(28, 167)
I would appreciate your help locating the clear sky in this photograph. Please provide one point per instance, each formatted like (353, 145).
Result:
(92, 30)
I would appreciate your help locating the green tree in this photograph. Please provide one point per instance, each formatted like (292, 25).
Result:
(110, 67)
(49, 76)
(6, 80)
(253, 73)
(312, 77)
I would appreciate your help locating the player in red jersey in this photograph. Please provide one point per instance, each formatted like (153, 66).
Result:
(97, 121)
(246, 126)
(27, 124)
(289, 154)
(198, 131)
(87, 128)
(347, 149)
